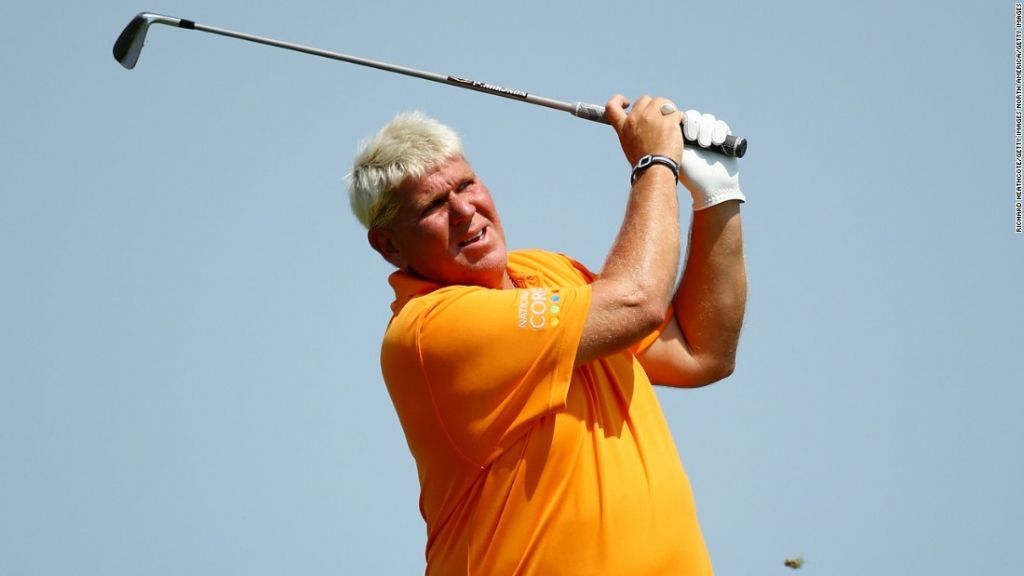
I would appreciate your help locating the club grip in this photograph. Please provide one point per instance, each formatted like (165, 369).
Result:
(734, 146)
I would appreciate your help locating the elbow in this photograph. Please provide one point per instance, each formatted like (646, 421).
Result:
(650, 303)
(705, 374)
(718, 368)
(643, 307)
(623, 313)
(708, 370)
(652, 315)
(724, 369)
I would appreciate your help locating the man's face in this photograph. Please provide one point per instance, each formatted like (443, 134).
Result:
(446, 229)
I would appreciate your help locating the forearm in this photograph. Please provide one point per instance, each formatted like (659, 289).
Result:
(630, 297)
(645, 255)
(712, 295)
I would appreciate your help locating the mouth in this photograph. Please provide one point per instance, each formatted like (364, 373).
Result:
(479, 236)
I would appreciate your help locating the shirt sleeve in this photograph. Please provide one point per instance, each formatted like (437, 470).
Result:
(496, 360)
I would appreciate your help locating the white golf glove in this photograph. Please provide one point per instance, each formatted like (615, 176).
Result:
(710, 177)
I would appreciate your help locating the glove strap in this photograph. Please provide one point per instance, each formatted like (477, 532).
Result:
(650, 160)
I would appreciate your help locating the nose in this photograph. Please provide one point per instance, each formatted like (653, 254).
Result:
(460, 209)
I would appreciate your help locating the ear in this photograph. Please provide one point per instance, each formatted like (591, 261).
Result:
(383, 241)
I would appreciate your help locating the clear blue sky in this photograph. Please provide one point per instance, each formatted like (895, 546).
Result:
(190, 316)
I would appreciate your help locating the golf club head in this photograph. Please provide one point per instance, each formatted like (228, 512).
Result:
(129, 44)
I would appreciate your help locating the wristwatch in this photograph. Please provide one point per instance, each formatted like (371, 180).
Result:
(650, 160)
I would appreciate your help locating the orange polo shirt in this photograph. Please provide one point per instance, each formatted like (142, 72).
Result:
(527, 466)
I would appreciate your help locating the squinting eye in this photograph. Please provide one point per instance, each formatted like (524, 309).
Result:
(433, 206)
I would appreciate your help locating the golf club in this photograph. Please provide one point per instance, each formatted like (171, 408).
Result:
(129, 45)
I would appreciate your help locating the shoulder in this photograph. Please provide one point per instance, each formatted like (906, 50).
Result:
(551, 264)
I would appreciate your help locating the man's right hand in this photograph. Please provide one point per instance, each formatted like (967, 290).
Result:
(647, 129)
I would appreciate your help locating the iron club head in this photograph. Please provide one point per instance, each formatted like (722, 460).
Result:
(129, 44)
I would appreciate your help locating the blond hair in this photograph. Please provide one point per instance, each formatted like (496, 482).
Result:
(405, 148)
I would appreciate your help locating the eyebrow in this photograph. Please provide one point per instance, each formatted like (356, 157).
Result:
(427, 202)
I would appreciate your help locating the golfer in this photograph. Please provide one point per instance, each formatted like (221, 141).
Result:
(523, 381)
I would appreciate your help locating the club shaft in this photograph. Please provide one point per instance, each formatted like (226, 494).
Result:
(422, 74)
(733, 146)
